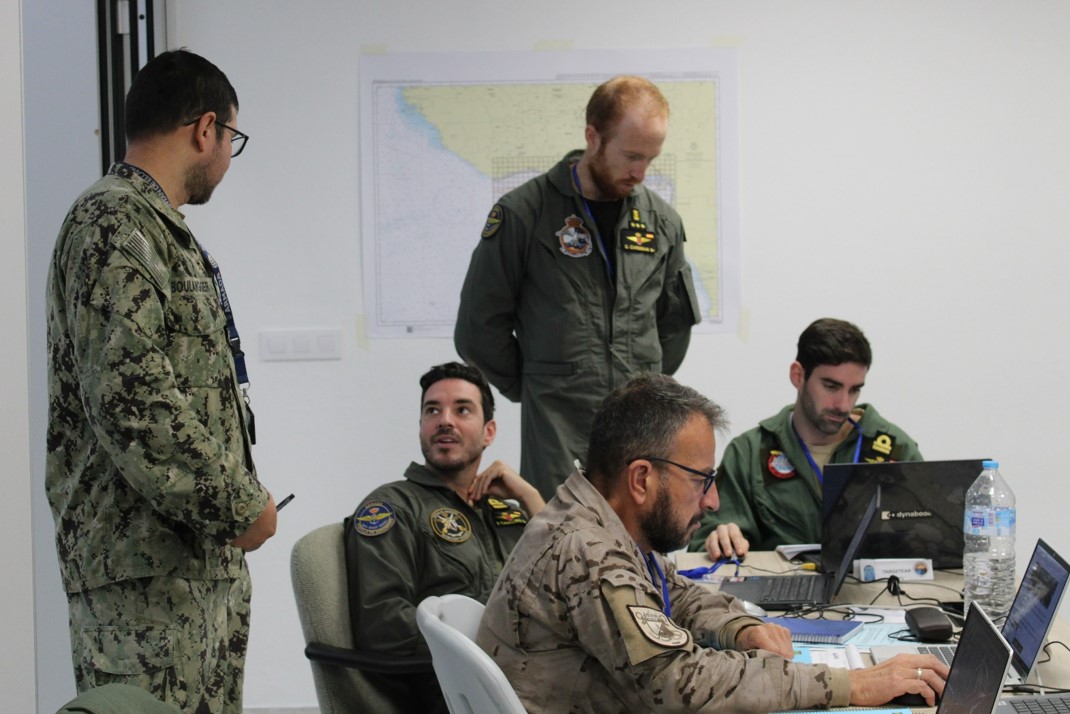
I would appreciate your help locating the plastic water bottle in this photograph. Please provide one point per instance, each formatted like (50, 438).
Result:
(988, 529)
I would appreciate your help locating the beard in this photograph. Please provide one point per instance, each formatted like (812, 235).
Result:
(822, 420)
(449, 464)
(198, 186)
(603, 181)
(659, 527)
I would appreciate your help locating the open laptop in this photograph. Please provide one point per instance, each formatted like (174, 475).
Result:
(921, 507)
(1028, 621)
(976, 678)
(788, 592)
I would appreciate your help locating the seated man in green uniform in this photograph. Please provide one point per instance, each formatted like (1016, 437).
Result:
(446, 528)
(771, 475)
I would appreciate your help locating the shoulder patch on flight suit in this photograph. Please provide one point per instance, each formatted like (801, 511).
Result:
(494, 221)
(137, 248)
(575, 240)
(374, 518)
(450, 525)
(504, 514)
(647, 632)
(878, 449)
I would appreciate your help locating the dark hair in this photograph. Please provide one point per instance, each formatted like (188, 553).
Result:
(832, 342)
(460, 370)
(611, 98)
(173, 88)
(643, 418)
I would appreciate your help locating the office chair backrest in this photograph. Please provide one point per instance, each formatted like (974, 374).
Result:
(470, 679)
(318, 572)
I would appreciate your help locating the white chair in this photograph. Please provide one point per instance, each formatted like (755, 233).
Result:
(470, 680)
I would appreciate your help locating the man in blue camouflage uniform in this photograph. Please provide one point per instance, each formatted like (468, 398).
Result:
(588, 616)
(149, 472)
(771, 475)
(445, 529)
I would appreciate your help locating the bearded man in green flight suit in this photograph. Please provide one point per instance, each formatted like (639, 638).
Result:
(770, 476)
(580, 282)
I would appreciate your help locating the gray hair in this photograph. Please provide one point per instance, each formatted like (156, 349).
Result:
(643, 418)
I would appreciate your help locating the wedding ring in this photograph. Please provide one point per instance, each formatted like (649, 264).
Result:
(918, 673)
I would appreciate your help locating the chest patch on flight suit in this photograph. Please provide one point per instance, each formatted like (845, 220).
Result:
(574, 239)
(878, 449)
(494, 221)
(450, 525)
(779, 465)
(636, 237)
(506, 515)
(374, 518)
(658, 628)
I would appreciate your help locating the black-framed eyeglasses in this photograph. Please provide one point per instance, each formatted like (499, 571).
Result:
(237, 144)
(708, 477)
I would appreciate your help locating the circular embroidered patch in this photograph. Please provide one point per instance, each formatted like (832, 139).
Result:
(779, 465)
(374, 518)
(574, 239)
(450, 525)
(494, 221)
(658, 628)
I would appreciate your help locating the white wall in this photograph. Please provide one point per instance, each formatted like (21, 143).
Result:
(16, 561)
(905, 165)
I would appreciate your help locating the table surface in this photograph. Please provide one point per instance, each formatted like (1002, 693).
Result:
(946, 586)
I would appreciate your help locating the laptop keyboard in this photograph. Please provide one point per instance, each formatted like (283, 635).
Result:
(944, 653)
(790, 588)
(1054, 704)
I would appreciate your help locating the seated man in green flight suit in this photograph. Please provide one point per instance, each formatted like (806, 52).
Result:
(448, 527)
(770, 476)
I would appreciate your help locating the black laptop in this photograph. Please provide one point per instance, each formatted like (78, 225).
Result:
(793, 591)
(976, 678)
(922, 505)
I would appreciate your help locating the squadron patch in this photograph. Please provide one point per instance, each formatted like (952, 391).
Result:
(450, 525)
(374, 518)
(658, 628)
(494, 221)
(779, 465)
(575, 240)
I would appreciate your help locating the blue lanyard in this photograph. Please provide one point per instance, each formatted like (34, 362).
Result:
(232, 329)
(594, 223)
(697, 573)
(810, 458)
(658, 575)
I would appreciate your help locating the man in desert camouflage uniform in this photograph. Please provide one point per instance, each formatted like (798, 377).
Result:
(587, 616)
(149, 471)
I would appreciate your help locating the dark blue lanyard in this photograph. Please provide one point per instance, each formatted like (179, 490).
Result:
(594, 224)
(232, 329)
(658, 575)
(810, 458)
(697, 573)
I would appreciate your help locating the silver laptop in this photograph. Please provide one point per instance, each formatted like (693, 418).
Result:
(793, 591)
(976, 678)
(1028, 621)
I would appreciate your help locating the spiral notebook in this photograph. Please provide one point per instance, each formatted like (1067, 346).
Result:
(818, 632)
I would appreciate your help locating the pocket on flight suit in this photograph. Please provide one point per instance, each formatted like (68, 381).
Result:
(141, 655)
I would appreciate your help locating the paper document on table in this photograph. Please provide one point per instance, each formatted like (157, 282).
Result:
(846, 657)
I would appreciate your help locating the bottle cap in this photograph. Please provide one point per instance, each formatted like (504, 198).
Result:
(989, 464)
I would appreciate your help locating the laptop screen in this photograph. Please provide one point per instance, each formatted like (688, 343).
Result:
(1035, 606)
(921, 507)
(981, 661)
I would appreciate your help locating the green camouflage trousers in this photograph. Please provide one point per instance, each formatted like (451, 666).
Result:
(182, 640)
